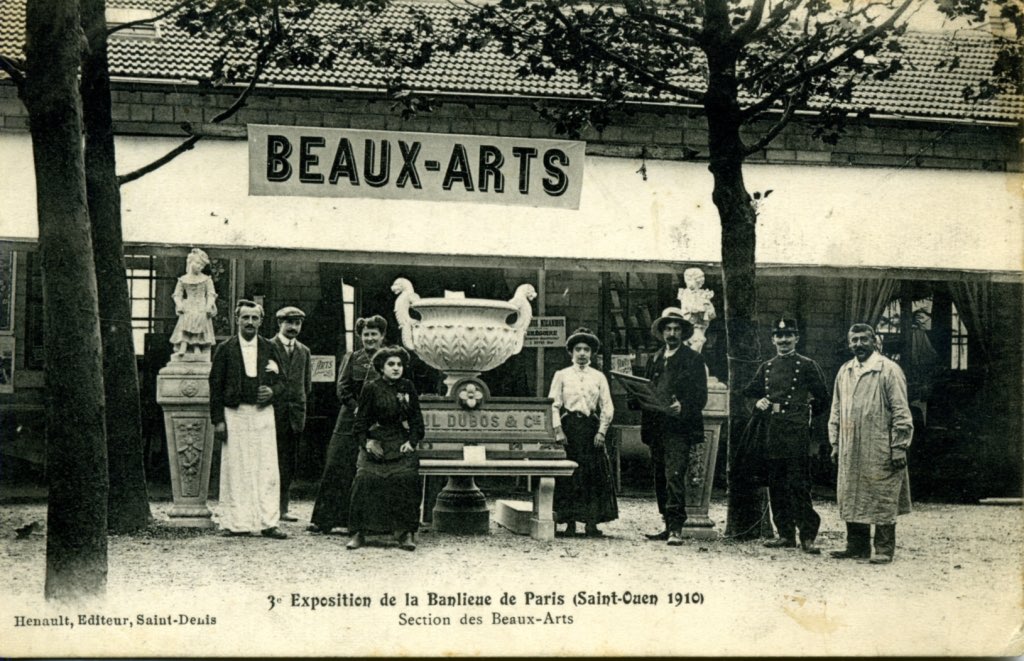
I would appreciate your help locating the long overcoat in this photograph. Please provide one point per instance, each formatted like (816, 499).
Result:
(870, 424)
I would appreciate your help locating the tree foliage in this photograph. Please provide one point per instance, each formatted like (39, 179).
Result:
(750, 65)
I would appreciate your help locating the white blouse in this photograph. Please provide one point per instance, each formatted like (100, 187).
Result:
(583, 390)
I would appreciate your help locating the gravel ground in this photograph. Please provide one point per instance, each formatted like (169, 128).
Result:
(955, 587)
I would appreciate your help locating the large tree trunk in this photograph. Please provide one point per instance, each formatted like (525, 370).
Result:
(747, 506)
(128, 508)
(76, 454)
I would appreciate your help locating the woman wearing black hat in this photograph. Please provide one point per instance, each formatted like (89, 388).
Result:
(583, 411)
(388, 426)
(331, 507)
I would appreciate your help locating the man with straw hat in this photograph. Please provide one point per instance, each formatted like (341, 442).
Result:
(679, 379)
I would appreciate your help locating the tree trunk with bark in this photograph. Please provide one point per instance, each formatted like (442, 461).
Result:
(128, 502)
(76, 455)
(746, 505)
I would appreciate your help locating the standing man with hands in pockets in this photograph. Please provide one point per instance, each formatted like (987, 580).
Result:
(679, 378)
(244, 381)
(870, 429)
(290, 407)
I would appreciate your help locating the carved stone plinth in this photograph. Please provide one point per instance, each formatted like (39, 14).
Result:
(183, 390)
(700, 472)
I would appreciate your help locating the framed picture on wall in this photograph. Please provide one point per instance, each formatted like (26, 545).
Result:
(6, 363)
(7, 275)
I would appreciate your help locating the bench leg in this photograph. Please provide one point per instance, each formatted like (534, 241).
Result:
(542, 525)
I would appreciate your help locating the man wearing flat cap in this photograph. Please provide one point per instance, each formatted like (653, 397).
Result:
(789, 390)
(679, 379)
(290, 407)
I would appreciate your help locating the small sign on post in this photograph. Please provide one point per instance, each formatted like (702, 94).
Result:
(545, 332)
(323, 369)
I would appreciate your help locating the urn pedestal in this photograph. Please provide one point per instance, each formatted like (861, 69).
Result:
(183, 391)
(498, 430)
(700, 471)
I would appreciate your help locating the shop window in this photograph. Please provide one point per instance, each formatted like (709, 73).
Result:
(890, 330)
(348, 302)
(632, 308)
(958, 341)
(7, 275)
(33, 312)
(143, 280)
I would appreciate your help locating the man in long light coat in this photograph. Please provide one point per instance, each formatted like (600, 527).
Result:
(870, 429)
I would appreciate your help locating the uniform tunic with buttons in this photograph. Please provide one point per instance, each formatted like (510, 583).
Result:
(795, 386)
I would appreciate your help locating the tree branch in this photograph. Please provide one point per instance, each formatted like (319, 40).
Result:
(143, 21)
(743, 33)
(640, 73)
(261, 62)
(785, 86)
(812, 42)
(15, 70)
(776, 18)
(787, 115)
(687, 31)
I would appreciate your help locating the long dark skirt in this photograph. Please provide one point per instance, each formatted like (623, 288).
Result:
(332, 497)
(589, 494)
(385, 495)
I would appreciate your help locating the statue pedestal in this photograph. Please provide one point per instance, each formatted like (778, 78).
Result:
(183, 391)
(700, 472)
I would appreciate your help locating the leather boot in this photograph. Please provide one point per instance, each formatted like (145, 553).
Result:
(885, 543)
(858, 542)
(405, 542)
(781, 543)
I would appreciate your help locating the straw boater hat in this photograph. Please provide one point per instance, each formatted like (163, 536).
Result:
(583, 334)
(671, 314)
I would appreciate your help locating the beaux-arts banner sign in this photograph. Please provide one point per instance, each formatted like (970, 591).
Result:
(323, 162)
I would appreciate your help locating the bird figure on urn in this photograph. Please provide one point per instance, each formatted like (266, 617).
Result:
(403, 289)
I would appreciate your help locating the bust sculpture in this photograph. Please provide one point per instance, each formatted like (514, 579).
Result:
(697, 307)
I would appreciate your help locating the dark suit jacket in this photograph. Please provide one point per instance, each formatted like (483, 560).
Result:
(684, 377)
(228, 369)
(297, 377)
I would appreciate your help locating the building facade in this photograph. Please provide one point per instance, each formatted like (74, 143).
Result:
(913, 221)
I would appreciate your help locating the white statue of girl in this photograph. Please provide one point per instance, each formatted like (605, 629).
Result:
(195, 302)
(697, 307)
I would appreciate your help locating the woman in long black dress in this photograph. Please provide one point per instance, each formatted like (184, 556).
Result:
(583, 411)
(332, 498)
(388, 426)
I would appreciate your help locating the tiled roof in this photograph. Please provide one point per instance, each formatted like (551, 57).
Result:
(920, 90)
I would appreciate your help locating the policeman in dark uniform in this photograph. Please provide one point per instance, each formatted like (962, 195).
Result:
(790, 389)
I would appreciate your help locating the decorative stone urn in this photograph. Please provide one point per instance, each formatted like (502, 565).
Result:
(183, 390)
(462, 337)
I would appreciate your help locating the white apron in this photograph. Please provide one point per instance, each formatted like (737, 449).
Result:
(250, 489)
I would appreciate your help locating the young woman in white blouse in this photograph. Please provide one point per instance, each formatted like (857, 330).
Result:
(583, 411)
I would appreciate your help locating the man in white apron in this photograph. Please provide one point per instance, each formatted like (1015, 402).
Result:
(244, 380)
